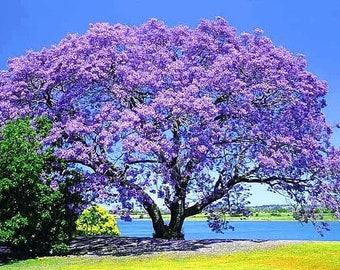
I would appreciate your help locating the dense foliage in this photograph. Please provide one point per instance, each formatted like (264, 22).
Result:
(96, 220)
(34, 216)
(182, 115)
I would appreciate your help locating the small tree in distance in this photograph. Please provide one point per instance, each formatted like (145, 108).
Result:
(182, 115)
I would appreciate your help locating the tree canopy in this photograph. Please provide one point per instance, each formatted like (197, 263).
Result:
(183, 115)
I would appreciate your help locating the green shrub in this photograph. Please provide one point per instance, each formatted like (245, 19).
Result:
(35, 219)
(96, 220)
(60, 249)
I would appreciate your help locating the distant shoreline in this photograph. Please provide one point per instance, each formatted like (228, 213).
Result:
(260, 217)
(246, 220)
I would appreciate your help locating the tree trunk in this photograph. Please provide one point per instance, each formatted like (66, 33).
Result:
(161, 230)
(178, 213)
(157, 220)
(174, 229)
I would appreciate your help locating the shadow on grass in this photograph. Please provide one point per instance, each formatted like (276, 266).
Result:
(123, 246)
(5, 255)
(126, 246)
(8, 257)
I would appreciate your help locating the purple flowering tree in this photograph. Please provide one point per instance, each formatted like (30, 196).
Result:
(182, 115)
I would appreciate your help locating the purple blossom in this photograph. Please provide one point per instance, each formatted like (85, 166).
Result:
(187, 114)
(54, 185)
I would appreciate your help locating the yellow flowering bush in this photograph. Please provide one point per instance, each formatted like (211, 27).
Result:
(96, 220)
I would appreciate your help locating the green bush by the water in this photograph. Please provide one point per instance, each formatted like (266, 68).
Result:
(96, 220)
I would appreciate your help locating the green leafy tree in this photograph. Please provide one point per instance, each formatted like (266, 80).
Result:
(35, 217)
(96, 220)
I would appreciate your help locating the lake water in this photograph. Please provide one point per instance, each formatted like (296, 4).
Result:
(261, 230)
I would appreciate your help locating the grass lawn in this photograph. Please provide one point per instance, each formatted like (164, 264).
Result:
(311, 255)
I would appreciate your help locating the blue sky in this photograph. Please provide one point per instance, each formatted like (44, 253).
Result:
(303, 26)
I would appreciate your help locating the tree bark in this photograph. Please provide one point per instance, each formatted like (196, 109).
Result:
(156, 217)
(174, 230)
(161, 230)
